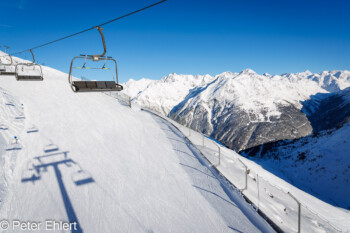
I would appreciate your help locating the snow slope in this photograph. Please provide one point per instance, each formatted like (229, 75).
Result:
(318, 164)
(86, 158)
(132, 87)
(270, 194)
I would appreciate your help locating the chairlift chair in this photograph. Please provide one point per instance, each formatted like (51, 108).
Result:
(95, 86)
(29, 74)
(5, 69)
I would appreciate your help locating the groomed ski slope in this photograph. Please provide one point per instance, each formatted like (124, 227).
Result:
(107, 167)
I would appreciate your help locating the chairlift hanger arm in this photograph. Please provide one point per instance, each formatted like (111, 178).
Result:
(96, 57)
(31, 51)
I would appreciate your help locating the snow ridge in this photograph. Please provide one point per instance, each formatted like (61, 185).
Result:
(246, 89)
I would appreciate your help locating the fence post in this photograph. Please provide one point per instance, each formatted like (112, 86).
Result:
(219, 156)
(257, 183)
(246, 175)
(299, 210)
(219, 150)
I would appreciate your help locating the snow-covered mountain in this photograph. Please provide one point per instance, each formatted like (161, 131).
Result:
(162, 95)
(241, 110)
(132, 87)
(318, 164)
(328, 110)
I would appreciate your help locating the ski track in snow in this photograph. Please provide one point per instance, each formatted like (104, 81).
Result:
(92, 160)
(11, 114)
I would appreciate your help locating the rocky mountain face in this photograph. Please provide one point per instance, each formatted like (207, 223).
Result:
(244, 110)
(328, 110)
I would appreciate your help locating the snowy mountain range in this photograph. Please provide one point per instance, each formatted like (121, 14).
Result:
(162, 95)
(242, 110)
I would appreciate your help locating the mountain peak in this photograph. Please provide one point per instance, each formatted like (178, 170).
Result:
(226, 73)
(248, 71)
(306, 72)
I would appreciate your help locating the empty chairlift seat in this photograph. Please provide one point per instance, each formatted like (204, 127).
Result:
(87, 86)
(95, 86)
(29, 71)
(29, 76)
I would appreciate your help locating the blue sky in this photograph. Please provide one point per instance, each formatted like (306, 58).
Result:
(188, 37)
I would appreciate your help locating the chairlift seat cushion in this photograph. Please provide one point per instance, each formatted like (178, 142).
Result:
(89, 86)
(8, 73)
(29, 78)
(101, 85)
(110, 84)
